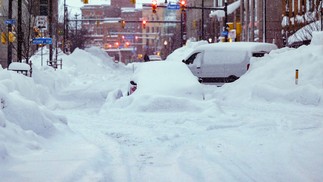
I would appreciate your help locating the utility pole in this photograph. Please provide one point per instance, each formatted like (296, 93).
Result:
(50, 29)
(65, 29)
(264, 20)
(226, 19)
(202, 20)
(19, 31)
(76, 15)
(9, 53)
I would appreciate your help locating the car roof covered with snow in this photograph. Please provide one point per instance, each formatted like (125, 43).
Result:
(166, 78)
(238, 46)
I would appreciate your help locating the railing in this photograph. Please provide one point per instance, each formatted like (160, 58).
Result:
(55, 63)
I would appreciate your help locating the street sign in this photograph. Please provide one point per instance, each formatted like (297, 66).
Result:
(225, 33)
(43, 40)
(41, 22)
(173, 6)
(10, 21)
(129, 37)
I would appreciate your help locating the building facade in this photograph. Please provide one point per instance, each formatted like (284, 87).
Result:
(257, 20)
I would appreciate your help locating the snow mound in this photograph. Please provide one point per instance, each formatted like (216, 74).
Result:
(317, 38)
(272, 78)
(20, 94)
(98, 52)
(153, 104)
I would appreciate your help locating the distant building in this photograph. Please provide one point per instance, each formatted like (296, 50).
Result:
(122, 34)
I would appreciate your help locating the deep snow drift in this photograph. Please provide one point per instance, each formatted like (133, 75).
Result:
(64, 125)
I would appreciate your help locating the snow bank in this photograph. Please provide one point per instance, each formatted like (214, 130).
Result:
(272, 78)
(20, 94)
(25, 121)
(317, 38)
(161, 87)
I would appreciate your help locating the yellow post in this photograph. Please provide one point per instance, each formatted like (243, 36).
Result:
(296, 77)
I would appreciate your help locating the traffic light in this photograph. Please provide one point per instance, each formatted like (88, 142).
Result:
(183, 5)
(12, 37)
(123, 23)
(37, 32)
(154, 6)
(144, 22)
(86, 1)
(230, 26)
(3, 38)
(133, 1)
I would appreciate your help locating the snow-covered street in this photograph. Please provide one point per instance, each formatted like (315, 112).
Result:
(67, 125)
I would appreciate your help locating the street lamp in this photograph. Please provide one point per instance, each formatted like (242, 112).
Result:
(165, 43)
(165, 48)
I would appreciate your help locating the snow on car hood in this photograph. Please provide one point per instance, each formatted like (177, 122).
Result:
(166, 78)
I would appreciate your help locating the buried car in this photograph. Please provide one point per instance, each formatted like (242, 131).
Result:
(165, 78)
(225, 62)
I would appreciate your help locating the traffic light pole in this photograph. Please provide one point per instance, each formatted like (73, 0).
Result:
(19, 29)
(50, 29)
(9, 53)
(202, 19)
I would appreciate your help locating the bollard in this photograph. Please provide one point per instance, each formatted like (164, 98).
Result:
(296, 77)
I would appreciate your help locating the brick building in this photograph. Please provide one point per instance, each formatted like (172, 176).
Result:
(106, 30)
(258, 22)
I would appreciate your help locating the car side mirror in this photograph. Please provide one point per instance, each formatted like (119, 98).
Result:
(133, 83)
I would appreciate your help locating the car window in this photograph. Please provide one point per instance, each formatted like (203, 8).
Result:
(259, 54)
(191, 59)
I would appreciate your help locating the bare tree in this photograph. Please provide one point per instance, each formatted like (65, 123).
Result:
(78, 39)
(28, 21)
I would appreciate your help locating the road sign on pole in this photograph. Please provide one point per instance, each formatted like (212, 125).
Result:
(41, 21)
(173, 6)
(10, 21)
(42, 40)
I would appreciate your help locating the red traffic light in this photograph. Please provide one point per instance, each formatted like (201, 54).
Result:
(183, 5)
(144, 24)
(123, 23)
(154, 6)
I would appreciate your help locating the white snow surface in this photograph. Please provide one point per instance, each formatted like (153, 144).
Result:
(230, 9)
(67, 124)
